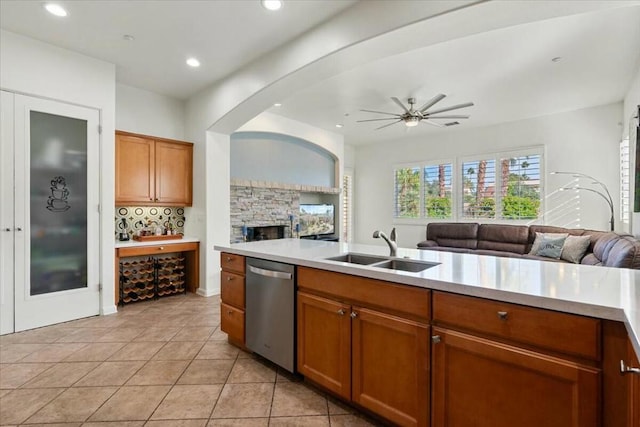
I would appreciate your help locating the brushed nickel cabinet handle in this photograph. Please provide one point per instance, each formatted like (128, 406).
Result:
(624, 369)
(161, 248)
(436, 339)
(229, 278)
(354, 314)
(229, 259)
(503, 315)
(341, 312)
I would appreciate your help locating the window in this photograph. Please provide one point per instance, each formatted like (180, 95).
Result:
(625, 185)
(520, 187)
(503, 186)
(407, 192)
(479, 189)
(347, 207)
(437, 191)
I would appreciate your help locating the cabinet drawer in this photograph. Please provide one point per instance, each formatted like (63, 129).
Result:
(157, 249)
(408, 301)
(232, 322)
(560, 332)
(232, 289)
(232, 262)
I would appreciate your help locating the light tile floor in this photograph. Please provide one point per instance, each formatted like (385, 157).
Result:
(154, 363)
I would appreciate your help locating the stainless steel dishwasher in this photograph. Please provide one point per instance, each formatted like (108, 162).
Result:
(270, 311)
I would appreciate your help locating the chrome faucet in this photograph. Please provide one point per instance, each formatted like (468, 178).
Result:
(391, 241)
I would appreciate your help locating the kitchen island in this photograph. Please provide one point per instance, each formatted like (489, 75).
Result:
(548, 320)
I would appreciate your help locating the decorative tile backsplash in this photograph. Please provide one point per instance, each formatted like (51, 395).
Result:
(137, 217)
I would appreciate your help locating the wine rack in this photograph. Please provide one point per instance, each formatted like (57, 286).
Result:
(150, 278)
(170, 275)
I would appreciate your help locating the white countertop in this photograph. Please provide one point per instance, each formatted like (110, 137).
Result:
(135, 243)
(602, 292)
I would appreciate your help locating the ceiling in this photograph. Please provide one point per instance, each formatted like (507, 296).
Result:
(507, 73)
(223, 34)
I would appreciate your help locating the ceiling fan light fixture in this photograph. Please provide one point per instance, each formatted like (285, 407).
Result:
(411, 121)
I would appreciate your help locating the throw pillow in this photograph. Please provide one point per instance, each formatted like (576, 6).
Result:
(536, 243)
(551, 247)
(574, 248)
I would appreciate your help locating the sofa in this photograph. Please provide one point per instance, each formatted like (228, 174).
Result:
(608, 249)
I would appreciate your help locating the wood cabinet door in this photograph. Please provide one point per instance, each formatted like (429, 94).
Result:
(135, 170)
(174, 173)
(478, 382)
(232, 322)
(390, 366)
(324, 343)
(634, 390)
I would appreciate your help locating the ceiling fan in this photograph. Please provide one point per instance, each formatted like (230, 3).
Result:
(411, 116)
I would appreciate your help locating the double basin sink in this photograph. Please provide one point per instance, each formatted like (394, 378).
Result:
(389, 263)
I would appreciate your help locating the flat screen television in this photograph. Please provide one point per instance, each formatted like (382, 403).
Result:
(316, 220)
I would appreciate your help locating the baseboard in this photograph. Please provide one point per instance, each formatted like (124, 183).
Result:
(111, 309)
(206, 293)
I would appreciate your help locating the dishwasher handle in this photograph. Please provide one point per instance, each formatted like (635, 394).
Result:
(270, 273)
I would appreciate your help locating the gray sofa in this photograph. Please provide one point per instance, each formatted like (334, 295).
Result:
(606, 248)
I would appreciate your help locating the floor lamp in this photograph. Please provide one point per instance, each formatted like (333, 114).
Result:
(605, 195)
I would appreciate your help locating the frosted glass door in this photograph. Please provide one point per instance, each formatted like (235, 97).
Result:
(58, 205)
(57, 219)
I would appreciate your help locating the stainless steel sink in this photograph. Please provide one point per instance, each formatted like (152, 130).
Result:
(412, 266)
(405, 265)
(353, 258)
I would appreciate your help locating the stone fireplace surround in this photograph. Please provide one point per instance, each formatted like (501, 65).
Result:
(262, 203)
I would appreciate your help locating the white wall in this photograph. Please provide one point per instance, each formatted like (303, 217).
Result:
(579, 141)
(38, 69)
(631, 102)
(149, 113)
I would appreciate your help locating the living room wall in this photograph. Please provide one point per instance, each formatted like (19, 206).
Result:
(585, 140)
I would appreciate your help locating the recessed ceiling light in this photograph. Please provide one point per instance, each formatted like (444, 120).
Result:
(272, 4)
(277, 104)
(193, 62)
(339, 125)
(128, 37)
(556, 59)
(55, 9)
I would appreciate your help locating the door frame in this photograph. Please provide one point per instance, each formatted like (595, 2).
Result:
(46, 309)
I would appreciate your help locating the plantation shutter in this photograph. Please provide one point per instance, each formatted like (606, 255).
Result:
(520, 187)
(479, 188)
(347, 209)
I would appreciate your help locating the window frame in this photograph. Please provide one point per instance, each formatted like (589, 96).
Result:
(457, 197)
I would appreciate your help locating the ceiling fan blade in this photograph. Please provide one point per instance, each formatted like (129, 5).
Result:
(375, 120)
(453, 107)
(381, 112)
(397, 101)
(433, 101)
(428, 116)
(432, 123)
(393, 123)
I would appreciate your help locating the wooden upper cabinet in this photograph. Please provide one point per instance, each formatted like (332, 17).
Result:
(174, 170)
(135, 170)
(153, 171)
